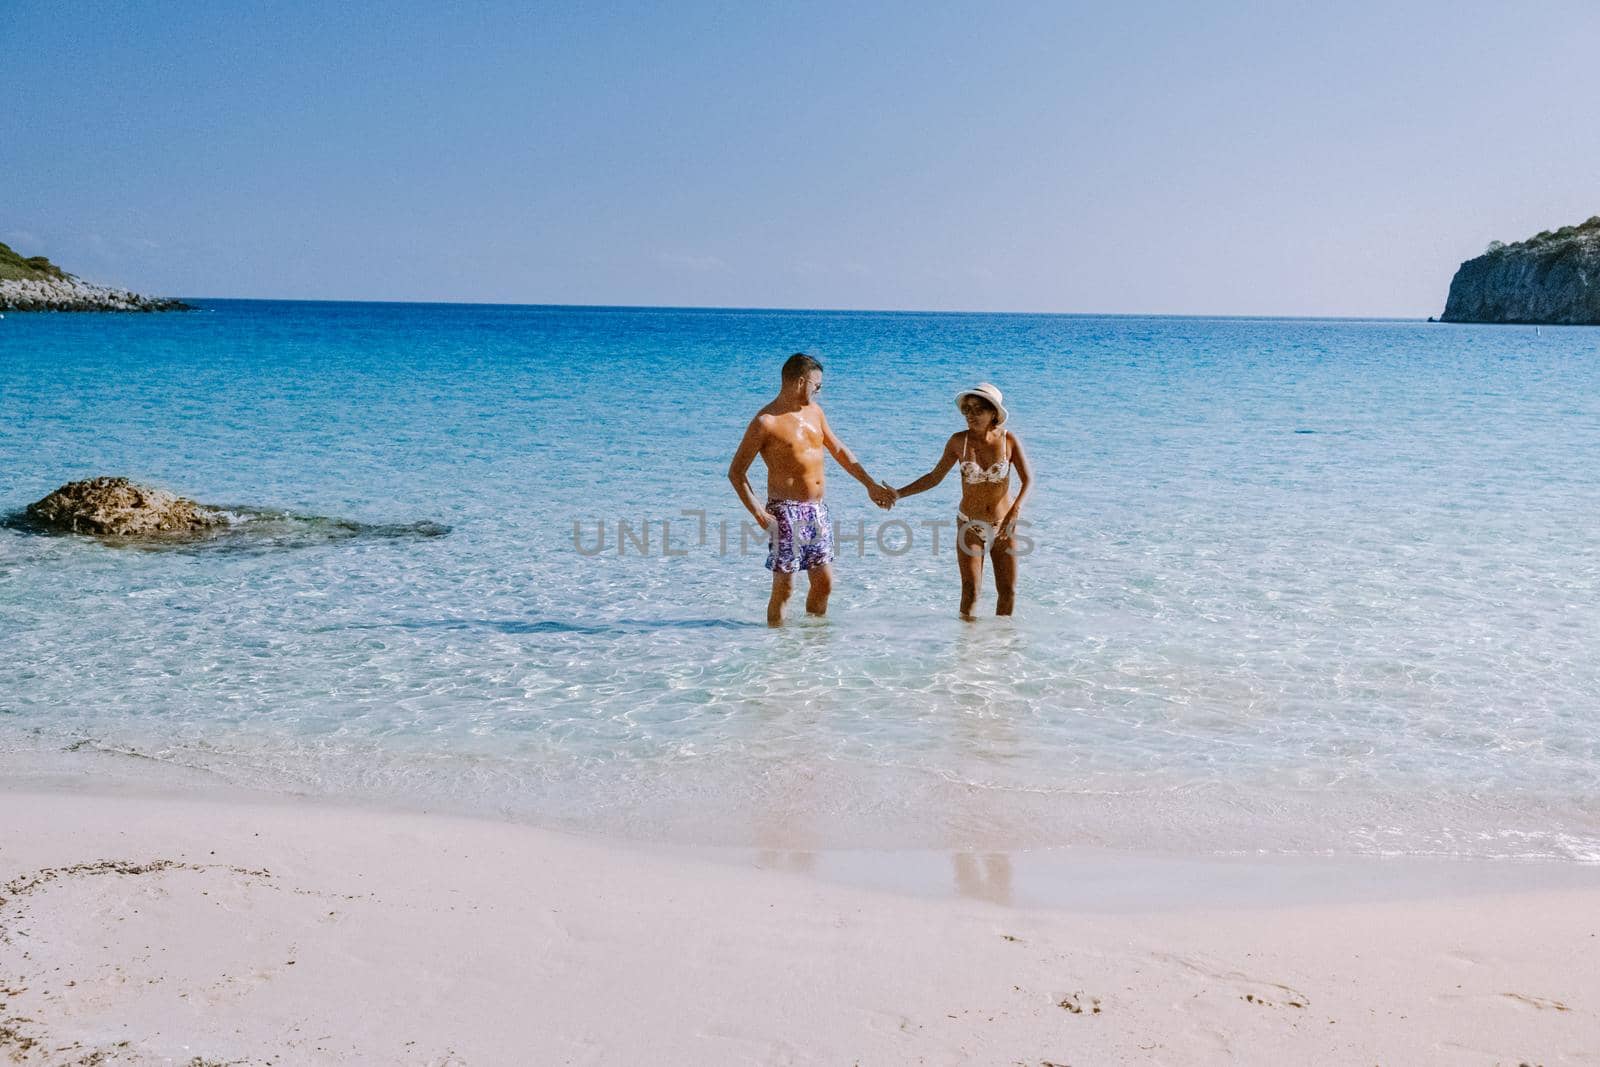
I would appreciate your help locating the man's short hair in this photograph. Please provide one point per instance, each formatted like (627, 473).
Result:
(799, 365)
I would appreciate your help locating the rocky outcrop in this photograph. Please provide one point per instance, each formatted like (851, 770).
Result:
(36, 284)
(127, 514)
(1551, 278)
(116, 507)
(73, 295)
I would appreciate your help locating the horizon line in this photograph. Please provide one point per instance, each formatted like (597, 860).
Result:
(816, 310)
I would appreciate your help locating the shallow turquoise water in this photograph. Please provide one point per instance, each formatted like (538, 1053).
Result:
(1297, 585)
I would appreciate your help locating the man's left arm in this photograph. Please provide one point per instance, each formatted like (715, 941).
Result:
(881, 494)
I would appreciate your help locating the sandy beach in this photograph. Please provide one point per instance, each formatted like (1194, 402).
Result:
(169, 930)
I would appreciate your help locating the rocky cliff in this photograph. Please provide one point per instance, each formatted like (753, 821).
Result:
(36, 284)
(1552, 277)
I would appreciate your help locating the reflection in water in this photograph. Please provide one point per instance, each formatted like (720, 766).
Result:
(988, 712)
(985, 877)
(994, 636)
(987, 736)
(786, 720)
(798, 861)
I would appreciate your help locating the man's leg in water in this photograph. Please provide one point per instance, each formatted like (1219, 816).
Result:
(821, 584)
(782, 584)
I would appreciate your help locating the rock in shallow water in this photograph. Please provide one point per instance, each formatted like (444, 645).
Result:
(117, 507)
(140, 516)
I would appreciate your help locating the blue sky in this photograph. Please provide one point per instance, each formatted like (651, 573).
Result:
(1286, 159)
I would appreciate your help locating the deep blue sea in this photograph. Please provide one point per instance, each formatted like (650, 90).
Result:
(1296, 586)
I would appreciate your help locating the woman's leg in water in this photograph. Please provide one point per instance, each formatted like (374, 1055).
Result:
(969, 558)
(1005, 575)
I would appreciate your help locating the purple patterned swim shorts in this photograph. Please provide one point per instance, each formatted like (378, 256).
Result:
(804, 537)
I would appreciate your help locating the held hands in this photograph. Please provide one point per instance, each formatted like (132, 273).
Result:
(883, 495)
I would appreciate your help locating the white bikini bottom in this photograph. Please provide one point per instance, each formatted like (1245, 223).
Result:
(986, 530)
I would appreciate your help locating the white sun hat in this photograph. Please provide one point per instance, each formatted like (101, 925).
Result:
(987, 392)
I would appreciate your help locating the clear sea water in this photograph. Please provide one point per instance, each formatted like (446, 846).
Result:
(1297, 586)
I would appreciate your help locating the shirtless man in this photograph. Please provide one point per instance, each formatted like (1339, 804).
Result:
(790, 434)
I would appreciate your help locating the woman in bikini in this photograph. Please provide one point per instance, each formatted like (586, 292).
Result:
(986, 521)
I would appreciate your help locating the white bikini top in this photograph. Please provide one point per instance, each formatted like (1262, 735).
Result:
(972, 473)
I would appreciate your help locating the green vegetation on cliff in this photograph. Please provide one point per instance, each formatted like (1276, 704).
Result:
(35, 268)
(1543, 241)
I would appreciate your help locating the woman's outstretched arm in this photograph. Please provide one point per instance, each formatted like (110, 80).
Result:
(947, 459)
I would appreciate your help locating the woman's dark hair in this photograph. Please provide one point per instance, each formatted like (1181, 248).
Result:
(799, 365)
